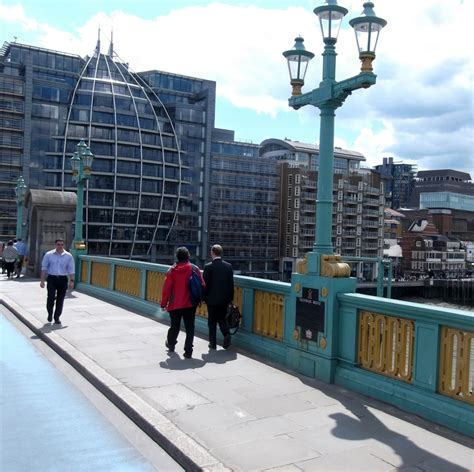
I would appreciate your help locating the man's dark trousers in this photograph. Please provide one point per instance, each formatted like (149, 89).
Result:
(216, 314)
(57, 288)
(188, 315)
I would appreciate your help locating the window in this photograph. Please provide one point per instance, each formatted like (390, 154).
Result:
(297, 179)
(295, 227)
(297, 203)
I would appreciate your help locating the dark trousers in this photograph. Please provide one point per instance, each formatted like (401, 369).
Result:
(19, 265)
(187, 315)
(216, 315)
(57, 288)
(10, 268)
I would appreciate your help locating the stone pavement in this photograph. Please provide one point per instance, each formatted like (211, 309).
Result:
(228, 410)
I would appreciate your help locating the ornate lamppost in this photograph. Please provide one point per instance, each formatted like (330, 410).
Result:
(20, 192)
(81, 163)
(313, 313)
(329, 96)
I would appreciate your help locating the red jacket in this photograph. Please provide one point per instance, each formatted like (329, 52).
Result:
(175, 293)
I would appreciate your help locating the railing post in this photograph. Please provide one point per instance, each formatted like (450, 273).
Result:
(143, 273)
(112, 276)
(248, 296)
(426, 356)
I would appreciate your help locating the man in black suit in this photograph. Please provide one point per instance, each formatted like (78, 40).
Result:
(219, 278)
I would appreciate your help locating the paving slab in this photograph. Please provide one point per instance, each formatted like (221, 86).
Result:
(230, 410)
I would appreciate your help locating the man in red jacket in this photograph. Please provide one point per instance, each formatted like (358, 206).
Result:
(176, 299)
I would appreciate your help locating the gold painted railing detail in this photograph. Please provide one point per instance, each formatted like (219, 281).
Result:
(127, 280)
(154, 286)
(100, 274)
(386, 345)
(268, 314)
(84, 267)
(456, 366)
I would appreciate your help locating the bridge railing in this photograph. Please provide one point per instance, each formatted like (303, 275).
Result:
(261, 302)
(415, 353)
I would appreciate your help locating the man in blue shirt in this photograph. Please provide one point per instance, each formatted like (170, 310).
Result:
(56, 267)
(22, 253)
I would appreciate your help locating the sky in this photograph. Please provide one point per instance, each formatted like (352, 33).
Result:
(420, 111)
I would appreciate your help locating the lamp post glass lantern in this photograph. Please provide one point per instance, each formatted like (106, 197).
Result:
(20, 192)
(329, 96)
(81, 165)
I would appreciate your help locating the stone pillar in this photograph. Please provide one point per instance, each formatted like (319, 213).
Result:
(50, 216)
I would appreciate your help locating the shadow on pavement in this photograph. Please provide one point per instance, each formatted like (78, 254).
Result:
(368, 426)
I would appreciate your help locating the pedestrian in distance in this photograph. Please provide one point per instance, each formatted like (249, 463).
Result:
(22, 254)
(2, 248)
(57, 266)
(176, 299)
(10, 256)
(219, 292)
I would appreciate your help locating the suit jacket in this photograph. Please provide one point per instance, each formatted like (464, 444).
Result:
(219, 278)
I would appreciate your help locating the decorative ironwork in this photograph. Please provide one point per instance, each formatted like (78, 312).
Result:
(154, 286)
(386, 345)
(456, 365)
(268, 314)
(84, 267)
(100, 274)
(127, 280)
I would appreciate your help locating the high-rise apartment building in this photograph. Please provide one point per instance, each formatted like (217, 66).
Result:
(358, 204)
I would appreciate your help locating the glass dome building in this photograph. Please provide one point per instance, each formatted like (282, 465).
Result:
(143, 198)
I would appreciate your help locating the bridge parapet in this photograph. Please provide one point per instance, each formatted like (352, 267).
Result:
(419, 357)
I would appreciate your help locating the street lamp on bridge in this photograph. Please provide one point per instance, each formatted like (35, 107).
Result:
(20, 192)
(329, 96)
(81, 163)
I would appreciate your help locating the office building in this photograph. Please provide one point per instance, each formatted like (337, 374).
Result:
(149, 132)
(398, 179)
(443, 188)
(243, 209)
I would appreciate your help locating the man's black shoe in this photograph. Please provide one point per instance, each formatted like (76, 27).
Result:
(212, 346)
(57, 322)
(170, 348)
(227, 341)
(50, 318)
(186, 355)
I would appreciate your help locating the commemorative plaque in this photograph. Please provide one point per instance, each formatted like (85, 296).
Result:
(310, 314)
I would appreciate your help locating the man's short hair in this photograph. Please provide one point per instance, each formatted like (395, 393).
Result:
(59, 240)
(182, 254)
(217, 250)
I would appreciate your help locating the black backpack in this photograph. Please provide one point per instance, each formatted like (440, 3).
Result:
(233, 318)
(196, 290)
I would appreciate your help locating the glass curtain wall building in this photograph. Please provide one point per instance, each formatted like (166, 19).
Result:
(244, 203)
(147, 132)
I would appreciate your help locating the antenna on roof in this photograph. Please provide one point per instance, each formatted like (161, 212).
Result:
(111, 46)
(97, 47)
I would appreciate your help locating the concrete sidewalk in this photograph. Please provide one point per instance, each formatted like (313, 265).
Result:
(227, 410)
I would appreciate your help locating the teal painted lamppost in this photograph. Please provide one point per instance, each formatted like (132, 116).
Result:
(81, 163)
(313, 312)
(329, 96)
(20, 192)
